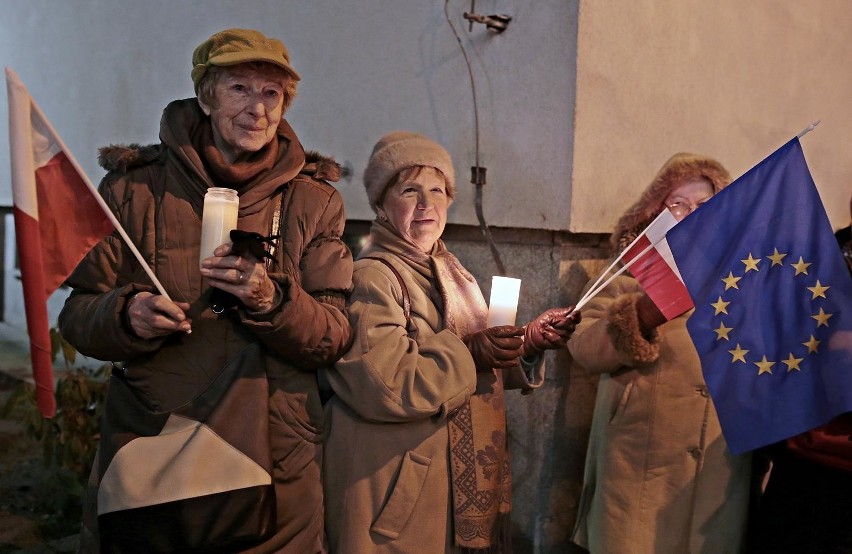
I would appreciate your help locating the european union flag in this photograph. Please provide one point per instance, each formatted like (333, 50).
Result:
(773, 303)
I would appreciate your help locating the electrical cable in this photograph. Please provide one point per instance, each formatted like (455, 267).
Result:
(477, 172)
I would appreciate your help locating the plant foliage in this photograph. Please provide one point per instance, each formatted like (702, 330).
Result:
(69, 440)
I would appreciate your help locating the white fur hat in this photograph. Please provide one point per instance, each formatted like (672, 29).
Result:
(400, 150)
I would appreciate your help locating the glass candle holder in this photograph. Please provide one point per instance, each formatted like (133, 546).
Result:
(218, 219)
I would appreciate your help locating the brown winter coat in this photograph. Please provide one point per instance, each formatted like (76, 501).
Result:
(387, 478)
(658, 476)
(157, 194)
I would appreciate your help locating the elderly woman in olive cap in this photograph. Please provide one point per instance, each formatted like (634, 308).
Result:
(417, 457)
(285, 319)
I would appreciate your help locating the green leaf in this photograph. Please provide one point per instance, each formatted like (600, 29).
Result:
(69, 352)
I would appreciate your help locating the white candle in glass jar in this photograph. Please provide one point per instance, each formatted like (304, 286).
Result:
(503, 306)
(218, 219)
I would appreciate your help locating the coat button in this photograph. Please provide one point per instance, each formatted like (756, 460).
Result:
(695, 453)
(702, 391)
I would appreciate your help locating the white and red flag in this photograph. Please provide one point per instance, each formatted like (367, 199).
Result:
(649, 259)
(58, 219)
(655, 268)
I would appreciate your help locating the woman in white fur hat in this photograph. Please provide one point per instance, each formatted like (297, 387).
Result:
(416, 458)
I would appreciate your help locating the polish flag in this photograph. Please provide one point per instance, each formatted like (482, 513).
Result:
(59, 217)
(655, 269)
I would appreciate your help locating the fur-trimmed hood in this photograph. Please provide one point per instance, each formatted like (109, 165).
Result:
(678, 169)
(122, 157)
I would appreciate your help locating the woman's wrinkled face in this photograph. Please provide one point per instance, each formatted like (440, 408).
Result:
(416, 206)
(688, 196)
(245, 110)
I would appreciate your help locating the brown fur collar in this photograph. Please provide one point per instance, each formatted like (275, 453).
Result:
(623, 329)
(679, 168)
(121, 158)
(321, 167)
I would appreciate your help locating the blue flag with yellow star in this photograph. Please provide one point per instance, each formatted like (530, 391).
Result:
(773, 303)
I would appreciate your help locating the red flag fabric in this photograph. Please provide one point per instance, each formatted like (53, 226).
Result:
(58, 219)
(656, 270)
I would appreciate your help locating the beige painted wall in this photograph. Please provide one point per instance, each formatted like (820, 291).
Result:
(732, 79)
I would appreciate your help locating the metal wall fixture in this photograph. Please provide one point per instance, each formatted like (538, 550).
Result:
(496, 22)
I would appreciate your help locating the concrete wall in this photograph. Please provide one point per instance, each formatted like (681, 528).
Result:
(548, 429)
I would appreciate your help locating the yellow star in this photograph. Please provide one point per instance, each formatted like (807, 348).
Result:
(812, 345)
(764, 365)
(822, 318)
(731, 281)
(792, 363)
(723, 331)
(818, 290)
(776, 258)
(738, 354)
(750, 263)
(721, 306)
(801, 266)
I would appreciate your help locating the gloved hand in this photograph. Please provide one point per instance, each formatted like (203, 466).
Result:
(493, 347)
(650, 316)
(550, 330)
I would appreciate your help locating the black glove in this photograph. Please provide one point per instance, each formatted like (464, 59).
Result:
(650, 316)
(550, 330)
(493, 347)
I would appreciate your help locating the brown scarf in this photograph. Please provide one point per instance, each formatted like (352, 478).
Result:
(232, 174)
(479, 455)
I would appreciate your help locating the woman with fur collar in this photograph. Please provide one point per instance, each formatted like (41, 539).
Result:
(659, 477)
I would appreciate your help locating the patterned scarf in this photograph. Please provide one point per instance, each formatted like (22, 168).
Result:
(479, 455)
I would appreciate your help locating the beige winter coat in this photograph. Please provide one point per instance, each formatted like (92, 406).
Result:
(658, 476)
(386, 472)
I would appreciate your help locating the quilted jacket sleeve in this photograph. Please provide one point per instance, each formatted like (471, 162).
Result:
(309, 328)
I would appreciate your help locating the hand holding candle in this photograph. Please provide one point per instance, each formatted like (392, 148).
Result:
(500, 344)
(221, 207)
(550, 330)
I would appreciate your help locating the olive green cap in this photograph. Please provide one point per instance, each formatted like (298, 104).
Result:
(235, 46)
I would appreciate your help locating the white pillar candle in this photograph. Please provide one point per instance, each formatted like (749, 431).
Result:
(218, 219)
(504, 301)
